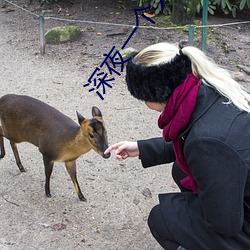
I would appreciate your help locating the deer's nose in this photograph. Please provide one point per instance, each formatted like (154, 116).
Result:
(106, 156)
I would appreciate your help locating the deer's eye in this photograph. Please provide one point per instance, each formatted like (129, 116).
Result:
(91, 136)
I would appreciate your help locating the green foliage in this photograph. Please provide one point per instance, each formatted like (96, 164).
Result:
(211, 7)
(244, 3)
(227, 6)
(156, 5)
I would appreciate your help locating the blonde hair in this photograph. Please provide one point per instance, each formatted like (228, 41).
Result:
(202, 67)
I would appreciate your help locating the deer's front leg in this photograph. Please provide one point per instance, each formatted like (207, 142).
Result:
(71, 168)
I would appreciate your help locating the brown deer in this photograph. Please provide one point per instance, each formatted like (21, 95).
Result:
(59, 139)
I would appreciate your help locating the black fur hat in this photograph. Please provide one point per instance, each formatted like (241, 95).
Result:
(156, 83)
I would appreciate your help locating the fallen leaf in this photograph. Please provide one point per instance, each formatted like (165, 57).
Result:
(58, 227)
(148, 14)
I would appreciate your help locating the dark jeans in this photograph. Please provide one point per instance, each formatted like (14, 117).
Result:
(156, 222)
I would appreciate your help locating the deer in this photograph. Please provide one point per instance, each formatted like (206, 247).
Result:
(58, 137)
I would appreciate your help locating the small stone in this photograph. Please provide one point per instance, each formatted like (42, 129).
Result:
(147, 193)
(62, 34)
(44, 225)
(136, 201)
(239, 76)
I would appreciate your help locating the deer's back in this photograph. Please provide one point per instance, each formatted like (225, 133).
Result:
(24, 118)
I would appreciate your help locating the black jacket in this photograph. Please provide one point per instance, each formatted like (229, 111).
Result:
(216, 145)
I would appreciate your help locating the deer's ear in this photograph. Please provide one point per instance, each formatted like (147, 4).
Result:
(80, 118)
(96, 112)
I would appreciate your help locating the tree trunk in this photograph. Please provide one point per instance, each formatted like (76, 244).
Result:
(183, 11)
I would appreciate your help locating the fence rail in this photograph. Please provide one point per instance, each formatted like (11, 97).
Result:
(191, 28)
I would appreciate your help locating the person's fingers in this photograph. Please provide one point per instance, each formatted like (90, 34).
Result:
(120, 148)
(121, 157)
(113, 147)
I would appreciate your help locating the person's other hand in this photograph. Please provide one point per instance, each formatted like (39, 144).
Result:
(124, 150)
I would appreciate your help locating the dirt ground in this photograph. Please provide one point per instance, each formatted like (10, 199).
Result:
(119, 195)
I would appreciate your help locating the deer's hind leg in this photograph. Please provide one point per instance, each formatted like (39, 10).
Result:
(18, 161)
(71, 168)
(1, 144)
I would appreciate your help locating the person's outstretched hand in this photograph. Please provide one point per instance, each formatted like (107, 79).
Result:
(124, 149)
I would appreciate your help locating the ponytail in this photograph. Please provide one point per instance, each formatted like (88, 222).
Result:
(218, 78)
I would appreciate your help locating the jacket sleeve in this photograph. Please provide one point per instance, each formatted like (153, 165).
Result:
(155, 151)
(220, 173)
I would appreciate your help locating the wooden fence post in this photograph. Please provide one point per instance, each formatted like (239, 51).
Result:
(191, 35)
(2, 3)
(204, 24)
(42, 32)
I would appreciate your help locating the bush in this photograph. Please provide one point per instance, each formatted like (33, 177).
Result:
(156, 5)
(227, 6)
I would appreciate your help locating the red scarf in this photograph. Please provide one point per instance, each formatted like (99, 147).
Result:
(174, 119)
